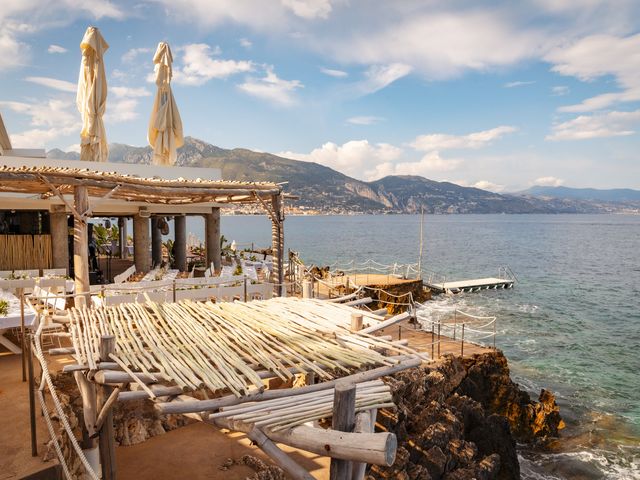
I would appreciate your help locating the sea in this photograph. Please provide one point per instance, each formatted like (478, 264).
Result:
(570, 325)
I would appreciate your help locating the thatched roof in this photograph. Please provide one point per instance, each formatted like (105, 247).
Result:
(45, 180)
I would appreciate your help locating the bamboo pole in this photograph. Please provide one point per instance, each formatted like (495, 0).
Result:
(215, 404)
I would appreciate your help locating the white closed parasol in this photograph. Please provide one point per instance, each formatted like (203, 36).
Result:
(165, 126)
(92, 97)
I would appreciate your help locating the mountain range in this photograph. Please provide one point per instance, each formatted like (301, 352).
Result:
(324, 190)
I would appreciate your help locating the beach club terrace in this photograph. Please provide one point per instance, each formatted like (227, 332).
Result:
(39, 196)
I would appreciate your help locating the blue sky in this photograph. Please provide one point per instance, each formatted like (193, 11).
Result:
(500, 95)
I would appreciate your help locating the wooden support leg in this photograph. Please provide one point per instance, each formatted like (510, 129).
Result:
(293, 470)
(106, 438)
(344, 406)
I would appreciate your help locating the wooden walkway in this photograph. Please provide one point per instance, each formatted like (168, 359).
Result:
(423, 342)
(471, 285)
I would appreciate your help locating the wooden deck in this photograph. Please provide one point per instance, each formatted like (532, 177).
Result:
(471, 285)
(423, 342)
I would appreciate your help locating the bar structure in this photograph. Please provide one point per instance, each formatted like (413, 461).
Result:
(84, 190)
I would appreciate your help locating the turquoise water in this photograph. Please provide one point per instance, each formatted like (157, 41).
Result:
(572, 324)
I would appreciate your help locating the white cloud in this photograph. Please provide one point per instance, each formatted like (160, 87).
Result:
(429, 164)
(490, 186)
(378, 77)
(272, 88)
(124, 105)
(439, 44)
(198, 66)
(357, 158)
(560, 90)
(518, 83)
(56, 49)
(54, 83)
(132, 54)
(309, 9)
(74, 147)
(50, 119)
(598, 125)
(441, 141)
(19, 18)
(246, 43)
(548, 182)
(598, 56)
(364, 120)
(130, 92)
(334, 73)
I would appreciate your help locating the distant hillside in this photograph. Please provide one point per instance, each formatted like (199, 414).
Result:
(612, 195)
(324, 189)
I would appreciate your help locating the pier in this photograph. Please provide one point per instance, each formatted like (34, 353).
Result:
(504, 280)
(472, 285)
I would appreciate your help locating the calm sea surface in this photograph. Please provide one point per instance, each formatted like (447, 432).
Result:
(571, 324)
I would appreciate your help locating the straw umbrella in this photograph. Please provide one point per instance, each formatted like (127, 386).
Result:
(92, 97)
(165, 126)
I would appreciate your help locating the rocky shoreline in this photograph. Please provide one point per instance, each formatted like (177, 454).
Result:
(456, 419)
(461, 418)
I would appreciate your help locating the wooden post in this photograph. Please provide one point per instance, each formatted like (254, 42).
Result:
(20, 292)
(277, 243)
(59, 237)
(81, 246)
(122, 237)
(438, 339)
(106, 437)
(307, 289)
(344, 417)
(32, 402)
(180, 242)
(212, 239)
(356, 322)
(141, 245)
(245, 289)
(462, 342)
(156, 242)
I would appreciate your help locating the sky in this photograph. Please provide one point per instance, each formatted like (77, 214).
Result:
(499, 95)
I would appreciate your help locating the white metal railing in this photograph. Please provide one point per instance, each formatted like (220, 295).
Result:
(505, 272)
(460, 326)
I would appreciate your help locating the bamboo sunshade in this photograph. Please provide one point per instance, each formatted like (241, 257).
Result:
(222, 346)
(25, 252)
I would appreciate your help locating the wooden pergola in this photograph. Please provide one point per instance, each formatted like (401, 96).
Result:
(82, 190)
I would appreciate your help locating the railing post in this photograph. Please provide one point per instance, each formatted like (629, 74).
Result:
(438, 339)
(22, 334)
(174, 290)
(462, 343)
(433, 339)
(245, 288)
(494, 333)
(455, 323)
(32, 400)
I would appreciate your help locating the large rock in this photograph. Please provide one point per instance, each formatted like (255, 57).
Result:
(455, 420)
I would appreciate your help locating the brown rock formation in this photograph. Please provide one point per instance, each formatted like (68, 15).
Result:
(454, 421)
